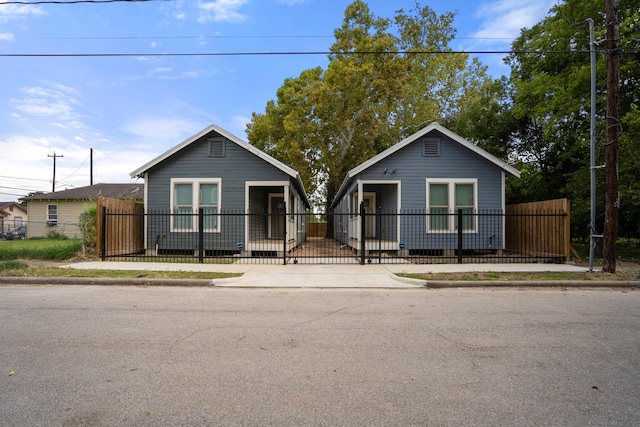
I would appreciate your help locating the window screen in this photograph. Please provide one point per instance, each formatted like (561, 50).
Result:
(464, 201)
(438, 206)
(209, 204)
(183, 205)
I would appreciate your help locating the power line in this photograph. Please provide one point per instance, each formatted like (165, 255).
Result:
(24, 179)
(79, 1)
(176, 37)
(74, 172)
(200, 37)
(417, 52)
(15, 188)
(11, 194)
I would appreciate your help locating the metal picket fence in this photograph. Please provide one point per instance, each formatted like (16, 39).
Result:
(415, 236)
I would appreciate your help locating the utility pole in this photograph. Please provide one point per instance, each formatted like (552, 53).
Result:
(55, 156)
(612, 204)
(592, 143)
(90, 166)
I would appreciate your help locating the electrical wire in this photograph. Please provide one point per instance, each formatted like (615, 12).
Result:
(77, 169)
(79, 1)
(418, 52)
(24, 179)
(15, 188)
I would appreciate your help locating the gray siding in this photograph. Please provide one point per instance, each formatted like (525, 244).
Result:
(235, 168)
(409, 166)
(454, 162)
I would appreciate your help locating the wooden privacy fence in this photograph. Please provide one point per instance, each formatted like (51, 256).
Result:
(316, 229)
(124, 233)
(541, 229)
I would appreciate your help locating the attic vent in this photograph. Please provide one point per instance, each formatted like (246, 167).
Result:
(216, 147)
(431, 148)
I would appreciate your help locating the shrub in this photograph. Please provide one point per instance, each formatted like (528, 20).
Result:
(54, 235)
(88, 224)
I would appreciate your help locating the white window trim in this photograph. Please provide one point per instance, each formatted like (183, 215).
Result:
(451, 224)
(195, 188)
(53, 221)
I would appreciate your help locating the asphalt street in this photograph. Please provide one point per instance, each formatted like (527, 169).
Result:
(176, 356)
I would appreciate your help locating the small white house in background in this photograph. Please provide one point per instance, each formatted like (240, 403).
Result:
(12, 216)
(60, 211)
(432, 173)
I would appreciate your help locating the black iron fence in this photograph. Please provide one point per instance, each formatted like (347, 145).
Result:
(358, 237)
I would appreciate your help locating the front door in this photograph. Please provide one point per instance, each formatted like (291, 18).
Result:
(369, 200)
(276, 215)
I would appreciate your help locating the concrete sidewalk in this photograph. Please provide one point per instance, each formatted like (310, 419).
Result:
(330, 276)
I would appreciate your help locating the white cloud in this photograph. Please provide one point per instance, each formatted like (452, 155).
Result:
(238, 126)
(52, 100)
(29, 158)
(293, 2)
(221, 11)
(500, 23)
(503, 19)
(162, 132)
(9, 12)
(161, 70)
(7, 36)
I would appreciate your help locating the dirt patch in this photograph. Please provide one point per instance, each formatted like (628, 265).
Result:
(322, 247)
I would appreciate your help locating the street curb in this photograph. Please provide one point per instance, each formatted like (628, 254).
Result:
(228, 283)
(440, 284)
(103, 281)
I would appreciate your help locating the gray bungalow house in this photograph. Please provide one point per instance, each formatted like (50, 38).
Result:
(242, 191)
(422, 180)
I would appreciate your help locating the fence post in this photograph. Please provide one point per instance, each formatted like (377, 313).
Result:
(363, 227)
(284, 233)
(459, 236)
(103, 243)
(379, 217)
(201, 235)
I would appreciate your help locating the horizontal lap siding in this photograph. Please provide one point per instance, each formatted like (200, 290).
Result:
(235, 168)
(455, 162)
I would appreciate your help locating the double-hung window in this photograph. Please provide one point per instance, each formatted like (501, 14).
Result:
(52, 214)
(188, 196)
(444, 198)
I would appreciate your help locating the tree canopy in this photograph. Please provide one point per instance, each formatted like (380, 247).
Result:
(550, 111)
(378, 88)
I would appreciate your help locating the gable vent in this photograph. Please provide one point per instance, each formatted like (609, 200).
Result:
(216, 147)
(431, 148)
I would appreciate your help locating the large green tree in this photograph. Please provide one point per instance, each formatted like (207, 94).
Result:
(550, 92)
(382, 84)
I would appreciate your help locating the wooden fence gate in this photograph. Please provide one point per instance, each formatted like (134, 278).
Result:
(544, 233)
(124, 232)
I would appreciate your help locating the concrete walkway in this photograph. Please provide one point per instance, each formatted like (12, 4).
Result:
(327, 275)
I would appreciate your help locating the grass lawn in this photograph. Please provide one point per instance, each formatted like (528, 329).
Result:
(46, 249)
(38, 258)
(23, 268)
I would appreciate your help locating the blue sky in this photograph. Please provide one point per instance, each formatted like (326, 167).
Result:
(130, 109)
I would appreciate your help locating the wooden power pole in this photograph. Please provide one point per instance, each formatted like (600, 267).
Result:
(55, 156)
(612, 204)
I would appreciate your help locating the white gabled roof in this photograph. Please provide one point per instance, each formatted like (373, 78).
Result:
(240, 143)
(408, 140)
